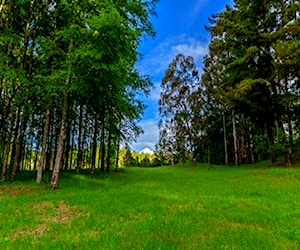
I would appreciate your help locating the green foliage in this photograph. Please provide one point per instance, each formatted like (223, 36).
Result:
(179, 107)
(253, 69)
(76, 61)
(128, 159)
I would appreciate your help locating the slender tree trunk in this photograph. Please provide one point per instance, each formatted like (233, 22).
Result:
(118, 153)
(79, 154)
(61, 140)
(5, 162)
(99, 156)
(7, 148)
(235, 141)
(225, 139)
(288, 156)
(72, 147)
(270, 139)
(67, 147)
(50, 146)
(250, 157)
(84, 145)
(94, 149)
(44, 146)
(19, 145)
(102, 146)
(108, 151)
(55, 135)
(63, 128)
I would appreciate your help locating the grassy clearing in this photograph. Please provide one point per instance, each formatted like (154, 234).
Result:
(181, 207)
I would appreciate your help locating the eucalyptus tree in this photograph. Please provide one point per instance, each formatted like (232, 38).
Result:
(179, 85)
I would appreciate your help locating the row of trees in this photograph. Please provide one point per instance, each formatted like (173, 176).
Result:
(68, 83)
(139, 159)
(246, 104)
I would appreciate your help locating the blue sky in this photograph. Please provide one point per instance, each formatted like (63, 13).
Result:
(179, 27)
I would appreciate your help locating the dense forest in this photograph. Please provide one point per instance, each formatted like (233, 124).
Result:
(244, 105)
(68, 83)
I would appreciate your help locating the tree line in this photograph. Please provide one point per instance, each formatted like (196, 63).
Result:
(68, 83)
(244, 105)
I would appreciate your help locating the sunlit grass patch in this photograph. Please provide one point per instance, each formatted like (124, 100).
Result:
(175, 207)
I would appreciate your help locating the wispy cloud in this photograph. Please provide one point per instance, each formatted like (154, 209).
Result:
(156, 61)
(198, 7)
(155, 93)
(150, 136)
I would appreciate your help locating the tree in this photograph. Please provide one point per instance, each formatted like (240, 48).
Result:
(242, 66)
(179, 92)
(64, 64)
(128, 159)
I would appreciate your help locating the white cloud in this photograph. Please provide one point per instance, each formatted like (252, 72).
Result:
(150, 136)
(191, 48)
(155, 93)
(156, 61)
(198, 7)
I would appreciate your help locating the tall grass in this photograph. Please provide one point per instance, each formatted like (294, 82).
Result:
(176, 207)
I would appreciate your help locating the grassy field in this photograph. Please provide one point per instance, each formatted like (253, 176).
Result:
(176, 207)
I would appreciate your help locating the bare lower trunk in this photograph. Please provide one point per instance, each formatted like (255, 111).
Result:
(5, 162)
(225, 139)
(7, 149)
(118, 153)
(108, 152)
(102, 145)
(61, 140)
(236, 155)
(67, 147)
(63, 128)
(288, 161)
(44, 146)
(19, 146)
(94, 150)
(270, 139)
(79, 155)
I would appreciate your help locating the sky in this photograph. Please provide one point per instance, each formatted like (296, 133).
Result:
(180, 28)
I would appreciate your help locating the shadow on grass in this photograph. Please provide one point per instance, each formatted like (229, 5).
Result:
(67, 179)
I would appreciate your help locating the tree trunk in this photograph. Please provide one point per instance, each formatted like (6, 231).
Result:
(102, 146)
(19, 146)
(49, 147)
(235, 141)
(108, 151)
(270, 139)
(7, 147)
(79, 154)
(67, 147)
(44, 146)
(61, 139)
(63, 127)
(94, 149)
(118, 153)
(225, 139)
(72, 147)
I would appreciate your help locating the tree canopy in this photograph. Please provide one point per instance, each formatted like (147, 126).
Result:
(68, 82)
(250, 86)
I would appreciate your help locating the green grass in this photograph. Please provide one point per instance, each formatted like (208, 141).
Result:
(176, 207)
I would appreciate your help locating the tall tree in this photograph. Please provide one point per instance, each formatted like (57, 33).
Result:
(179, 86)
